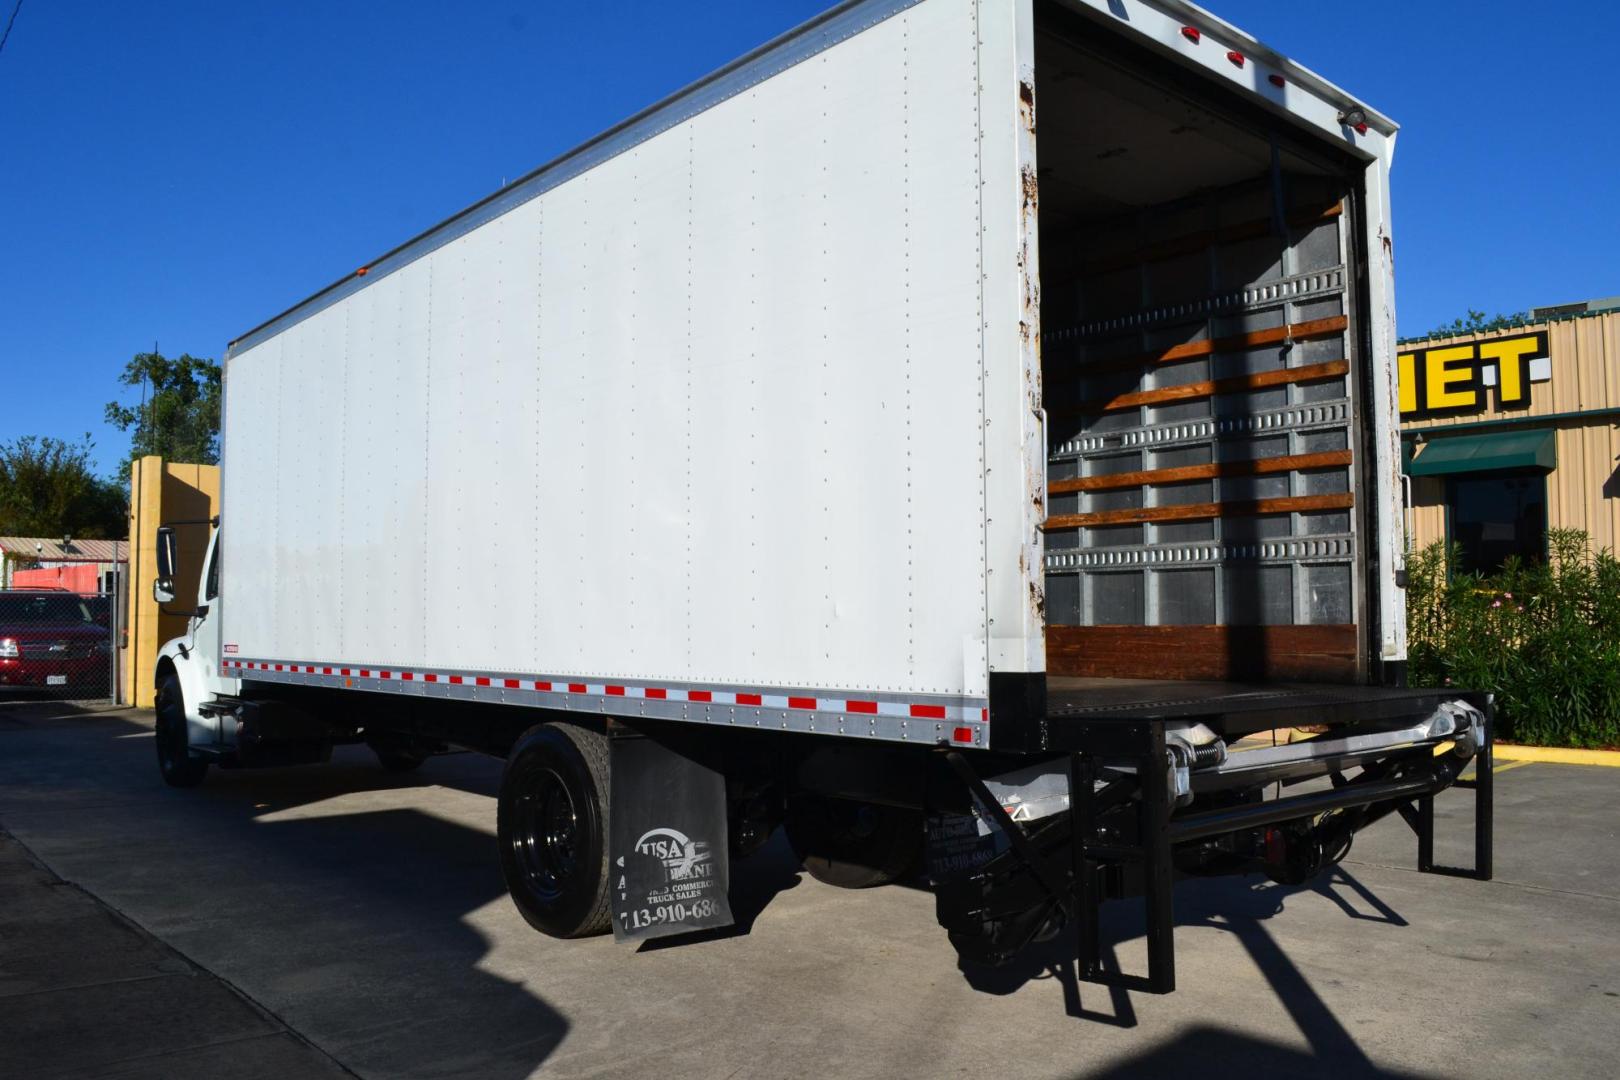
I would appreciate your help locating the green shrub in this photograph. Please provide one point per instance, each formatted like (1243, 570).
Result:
(1543, 637)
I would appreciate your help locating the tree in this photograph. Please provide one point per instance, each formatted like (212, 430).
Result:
(48, 489)
(1478, 322)
(179, 420)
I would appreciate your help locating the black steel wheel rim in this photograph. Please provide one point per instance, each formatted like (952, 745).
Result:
(546, 835)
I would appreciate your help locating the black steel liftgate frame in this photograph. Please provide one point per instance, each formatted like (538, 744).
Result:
(1141, 746)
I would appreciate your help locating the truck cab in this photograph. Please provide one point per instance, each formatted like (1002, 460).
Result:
(189, 676)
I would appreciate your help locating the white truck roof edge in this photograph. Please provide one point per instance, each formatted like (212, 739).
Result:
(1255, 49)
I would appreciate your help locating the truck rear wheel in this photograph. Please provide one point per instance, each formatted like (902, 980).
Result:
(854, 845)
(552, 825)
(180, 768)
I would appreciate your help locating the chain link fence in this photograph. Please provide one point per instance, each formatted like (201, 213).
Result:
(57, 645)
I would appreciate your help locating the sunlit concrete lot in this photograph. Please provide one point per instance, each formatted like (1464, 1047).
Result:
(311, 921)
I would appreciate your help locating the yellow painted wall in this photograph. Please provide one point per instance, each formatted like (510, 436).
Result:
(163, 493)
(1583, 491)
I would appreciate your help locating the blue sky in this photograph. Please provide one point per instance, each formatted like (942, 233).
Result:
(177, 172)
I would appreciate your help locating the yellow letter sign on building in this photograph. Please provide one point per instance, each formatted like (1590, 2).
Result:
(1448, 380)
(1508, 434)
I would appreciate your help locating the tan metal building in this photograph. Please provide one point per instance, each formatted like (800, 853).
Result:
(1509, 433)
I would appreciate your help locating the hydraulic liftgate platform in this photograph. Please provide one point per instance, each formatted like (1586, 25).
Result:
(1146, 805)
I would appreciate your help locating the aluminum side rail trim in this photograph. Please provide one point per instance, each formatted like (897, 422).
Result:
(1296, 289)
(1176, 432)
(953, 721)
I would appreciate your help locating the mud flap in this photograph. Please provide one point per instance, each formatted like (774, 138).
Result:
(668, 846)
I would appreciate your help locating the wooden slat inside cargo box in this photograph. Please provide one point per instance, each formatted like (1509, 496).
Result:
(1303, 653)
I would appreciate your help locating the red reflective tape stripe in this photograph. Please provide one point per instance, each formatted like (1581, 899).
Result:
(616, 691)
(984, 715)
(430, 677)
(576, 688)
(542, 686)
(407, 676)
(928, 712)
(699, 695)
(326, 671)
(385, 674)
(801, 703)
(656, 692)
(748, 699)
(860, 706)
(512, 684)
(455, 680)
(482, 681)
(343, 671)
(309, 669)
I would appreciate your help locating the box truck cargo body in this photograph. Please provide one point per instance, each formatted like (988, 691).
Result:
(947, 391)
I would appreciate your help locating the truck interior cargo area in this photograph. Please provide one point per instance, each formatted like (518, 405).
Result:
(1199, 353)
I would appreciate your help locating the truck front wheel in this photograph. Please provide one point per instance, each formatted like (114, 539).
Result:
(552, 826)
(854, 845)
(179, 766)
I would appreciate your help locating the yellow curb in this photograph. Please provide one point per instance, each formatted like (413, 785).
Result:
(1553, 755)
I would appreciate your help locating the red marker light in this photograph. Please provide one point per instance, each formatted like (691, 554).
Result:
(1236, 57)
(962, 734)
(362, 271)
(1361, 129)
(1277, 80)
(1192, 34)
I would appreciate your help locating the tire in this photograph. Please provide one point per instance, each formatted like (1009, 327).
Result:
(552, 827)
(853, 845)
(180, 768)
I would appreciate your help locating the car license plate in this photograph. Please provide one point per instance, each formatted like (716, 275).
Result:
(56, 680)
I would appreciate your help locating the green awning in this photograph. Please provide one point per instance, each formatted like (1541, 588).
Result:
(1443, 455)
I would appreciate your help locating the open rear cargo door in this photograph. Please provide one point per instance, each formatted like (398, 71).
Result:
(1200, 362)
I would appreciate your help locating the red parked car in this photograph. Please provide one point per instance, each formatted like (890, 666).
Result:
(53, 640)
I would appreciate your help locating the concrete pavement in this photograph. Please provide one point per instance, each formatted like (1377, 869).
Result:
(85, 993)
(365, 912)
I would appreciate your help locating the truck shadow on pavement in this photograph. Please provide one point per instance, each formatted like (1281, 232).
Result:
(362, 928)
(1242, 908)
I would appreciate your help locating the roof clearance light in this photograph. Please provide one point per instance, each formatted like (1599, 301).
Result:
(1361, 129)
(362, 271)
(1192, 34)
(1236, 57)
(1355, 117)
(1277, 80)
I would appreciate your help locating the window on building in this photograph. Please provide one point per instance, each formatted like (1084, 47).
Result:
(1493, 515)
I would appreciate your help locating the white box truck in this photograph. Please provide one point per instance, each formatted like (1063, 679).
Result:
(945, 432)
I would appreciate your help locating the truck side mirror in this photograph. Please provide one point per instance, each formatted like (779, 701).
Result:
(163, 590)
(165, 553)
